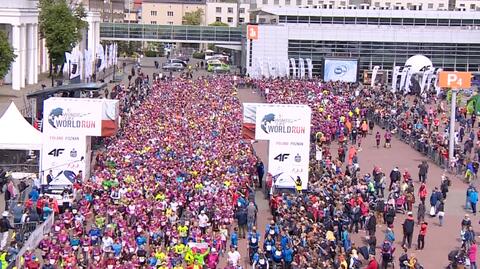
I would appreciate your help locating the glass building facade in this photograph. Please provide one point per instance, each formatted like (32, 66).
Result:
(459, 57)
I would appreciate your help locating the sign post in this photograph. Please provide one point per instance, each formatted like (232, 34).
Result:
(454, 81)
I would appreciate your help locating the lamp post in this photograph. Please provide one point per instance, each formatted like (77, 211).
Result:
(451, 139)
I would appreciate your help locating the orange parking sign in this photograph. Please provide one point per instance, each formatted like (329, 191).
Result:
(252, 32)
(455, 80)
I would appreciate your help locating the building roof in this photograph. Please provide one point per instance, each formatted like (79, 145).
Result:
(69, 88)
(301, 11)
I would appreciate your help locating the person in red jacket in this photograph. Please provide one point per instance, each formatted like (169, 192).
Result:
(421, 235)
(372, 262)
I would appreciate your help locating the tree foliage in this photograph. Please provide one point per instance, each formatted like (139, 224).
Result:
(6, 55)
(193, 17)
(218, 23)
(61, 26)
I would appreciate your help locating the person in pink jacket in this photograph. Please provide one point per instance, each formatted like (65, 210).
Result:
(212, 259)
(472, 255)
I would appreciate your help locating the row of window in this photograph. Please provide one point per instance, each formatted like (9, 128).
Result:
(379, 21)
(217, 19)
(155, 13)
(460, 57)
(230, 10)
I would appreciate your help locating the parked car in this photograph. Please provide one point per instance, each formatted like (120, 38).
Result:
(175, 60)
(173, 66)
(218, 67)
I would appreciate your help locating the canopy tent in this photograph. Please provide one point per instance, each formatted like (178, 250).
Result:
(17, 133)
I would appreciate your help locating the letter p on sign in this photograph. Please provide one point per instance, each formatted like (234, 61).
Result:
(252, 32)
(455, 80)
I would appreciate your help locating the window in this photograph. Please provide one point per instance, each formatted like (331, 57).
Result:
(170, 22)
(472, 6)
(153, 22)
(241, 20)
(218, 19)
(230, 19)
(287, 2)
(276, 2)
(299, 2)
(218, 9)
(241, 10)
(430, 5)
(342, 3)
(153, 13)
(265, 2)
(230, 10)
(441, 5)
(309, 2)
(377, 4)
(170, 13)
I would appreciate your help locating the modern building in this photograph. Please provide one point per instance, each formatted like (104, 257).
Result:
(233, 13)
(384, 38)
(169, 12)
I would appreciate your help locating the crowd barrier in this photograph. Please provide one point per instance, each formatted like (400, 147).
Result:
(35, 236)
(428, 150)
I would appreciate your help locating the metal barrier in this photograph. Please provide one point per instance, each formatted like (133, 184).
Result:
(35, 236)
(414, 141)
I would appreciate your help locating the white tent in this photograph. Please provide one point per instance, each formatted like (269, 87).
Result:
(17, 133)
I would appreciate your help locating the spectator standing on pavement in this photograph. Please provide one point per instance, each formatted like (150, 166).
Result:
(260, 172)
(473, 200)
(5, 226)
(423, 171)
(421, 213)
(421, 235)
(441, 212)
(395, 177)
(408, 228)
(472, 255)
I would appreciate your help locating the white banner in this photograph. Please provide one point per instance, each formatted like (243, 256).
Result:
(80, 116)
(301, 64)
(437, 88)
(100, 59)
(408, 81)
(72, 116)
(88, 63)
(426, 75)
(403, 78)
(288, 161)
(374, 75)
(294, 67)
(283, 122)
(310, 68)
(396, 73)
(63, 157)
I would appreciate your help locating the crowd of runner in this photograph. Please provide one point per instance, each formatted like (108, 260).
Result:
(175, 187)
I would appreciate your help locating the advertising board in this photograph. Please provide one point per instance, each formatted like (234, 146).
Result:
(345, 70)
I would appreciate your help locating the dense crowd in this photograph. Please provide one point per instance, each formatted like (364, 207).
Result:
(163, 192)
(175, 187)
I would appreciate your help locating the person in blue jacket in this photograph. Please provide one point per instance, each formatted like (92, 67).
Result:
(253, 240)
(473, 199)
(287, 254)
(234, 237)
(277, 256)
(272, 229)
(268, 245)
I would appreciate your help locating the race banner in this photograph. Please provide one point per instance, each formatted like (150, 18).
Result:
(294, 67)
(310, 68)
(288, 161)
(283, 122)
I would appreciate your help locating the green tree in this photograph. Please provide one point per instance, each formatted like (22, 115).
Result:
(6, 55)
(193, 18)
(61, 27)
(218, 23)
